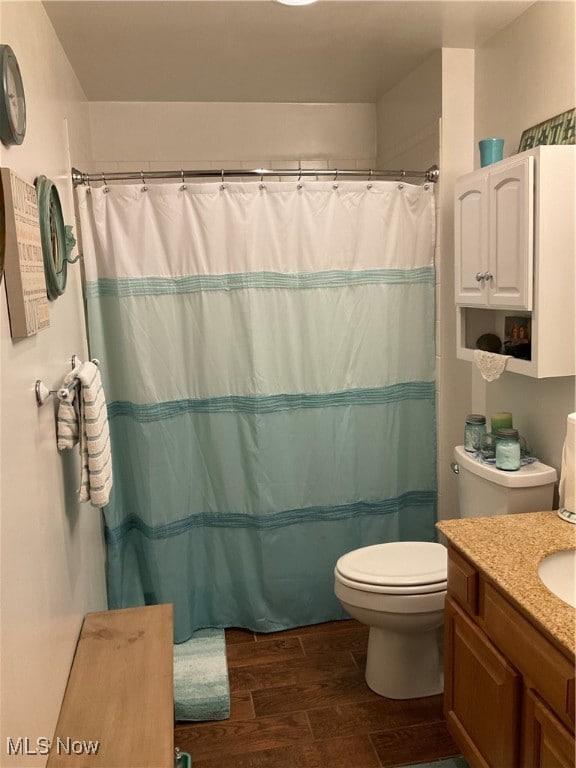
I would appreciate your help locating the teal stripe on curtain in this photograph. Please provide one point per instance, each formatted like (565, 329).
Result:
(154, 286)
(410, 499)
(412, 390)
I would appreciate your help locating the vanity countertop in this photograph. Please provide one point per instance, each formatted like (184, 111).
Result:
(508, 549)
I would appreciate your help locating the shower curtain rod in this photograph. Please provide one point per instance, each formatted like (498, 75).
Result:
(79, 177)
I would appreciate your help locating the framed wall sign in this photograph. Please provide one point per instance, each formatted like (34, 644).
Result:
(23, 262)
(557, 130)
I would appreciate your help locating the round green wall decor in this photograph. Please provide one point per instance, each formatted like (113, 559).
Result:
(56, 240)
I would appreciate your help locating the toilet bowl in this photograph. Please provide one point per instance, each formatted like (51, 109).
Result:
(398, 590)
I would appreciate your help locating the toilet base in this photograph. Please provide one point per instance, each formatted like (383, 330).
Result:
(404, 666)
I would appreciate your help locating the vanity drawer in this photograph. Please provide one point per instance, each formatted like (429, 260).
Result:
(540, 662)
(463, 582)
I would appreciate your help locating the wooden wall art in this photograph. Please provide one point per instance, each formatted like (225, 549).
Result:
(23, 262)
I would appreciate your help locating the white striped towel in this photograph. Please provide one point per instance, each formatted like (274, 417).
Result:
(83, 418)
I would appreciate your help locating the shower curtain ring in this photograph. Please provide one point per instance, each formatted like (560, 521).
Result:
(105, 189)
(369, 185)
(143, 188)
(222, 185)
(183, 185)
(335, 185)
(262, 185)
(299, 185)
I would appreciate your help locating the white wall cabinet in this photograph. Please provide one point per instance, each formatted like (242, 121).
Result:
(515, 256)
(494, 235)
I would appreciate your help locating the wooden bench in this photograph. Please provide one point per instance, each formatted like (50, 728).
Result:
(118, 708)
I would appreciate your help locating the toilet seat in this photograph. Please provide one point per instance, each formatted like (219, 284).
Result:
(403, 568)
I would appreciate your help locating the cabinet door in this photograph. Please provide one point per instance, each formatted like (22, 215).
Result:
(511, 236)
(481, 695)
(547, 743)
(470, 243)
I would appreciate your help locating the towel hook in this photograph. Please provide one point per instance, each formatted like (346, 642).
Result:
(42, 392)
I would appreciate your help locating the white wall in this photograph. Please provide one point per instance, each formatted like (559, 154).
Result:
(164, 136)
(524, 75)
(408, 119)
(427, 118)
(454, 376)
(52, 555)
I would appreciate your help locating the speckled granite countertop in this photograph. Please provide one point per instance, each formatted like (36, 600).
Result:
(508, 548)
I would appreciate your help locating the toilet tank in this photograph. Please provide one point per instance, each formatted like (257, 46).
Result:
(484, 490)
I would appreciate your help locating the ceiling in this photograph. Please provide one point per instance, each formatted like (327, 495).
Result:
(259, 50)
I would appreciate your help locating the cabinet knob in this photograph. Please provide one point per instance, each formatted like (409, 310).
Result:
(488, 276)
(480, 277)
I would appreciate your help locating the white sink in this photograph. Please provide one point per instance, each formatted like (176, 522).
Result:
(558, 573)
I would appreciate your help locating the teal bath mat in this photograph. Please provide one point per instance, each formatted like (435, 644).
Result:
(201, 689)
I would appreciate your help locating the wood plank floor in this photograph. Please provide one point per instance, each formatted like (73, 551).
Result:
(299, 700)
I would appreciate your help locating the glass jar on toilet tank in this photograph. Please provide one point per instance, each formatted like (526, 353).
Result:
(474, 432)
(507, 449)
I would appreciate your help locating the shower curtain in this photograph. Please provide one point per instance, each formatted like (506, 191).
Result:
(267, 351)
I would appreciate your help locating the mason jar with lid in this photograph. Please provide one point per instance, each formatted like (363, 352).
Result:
(474, 432)
(507, 449)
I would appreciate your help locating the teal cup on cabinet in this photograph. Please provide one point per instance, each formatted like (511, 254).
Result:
(491, 151)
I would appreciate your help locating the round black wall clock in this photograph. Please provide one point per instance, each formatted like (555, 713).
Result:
(12, 99)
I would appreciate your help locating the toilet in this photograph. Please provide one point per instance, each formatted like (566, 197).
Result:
(398, 589)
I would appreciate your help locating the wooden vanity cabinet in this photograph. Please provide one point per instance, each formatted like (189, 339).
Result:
(547, 743)
(481, 694)
(508, 690)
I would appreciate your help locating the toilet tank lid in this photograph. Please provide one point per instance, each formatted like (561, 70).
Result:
(527, 476)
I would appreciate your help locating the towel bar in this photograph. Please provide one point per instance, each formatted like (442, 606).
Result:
(43, 393)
